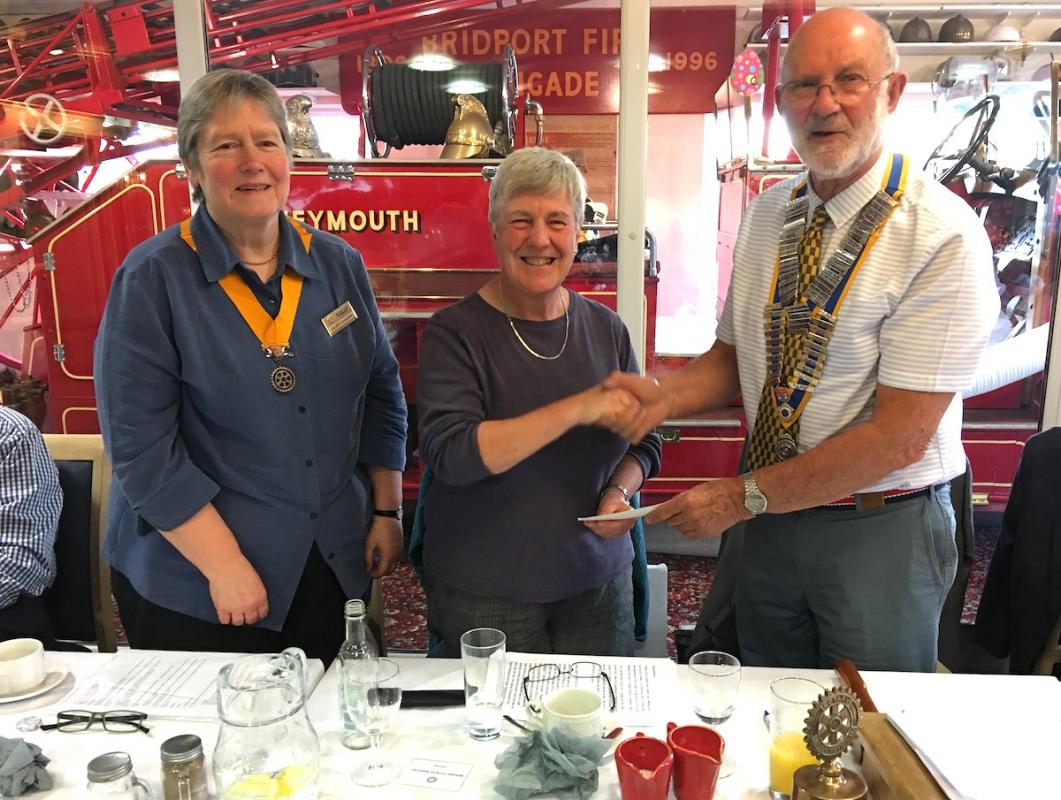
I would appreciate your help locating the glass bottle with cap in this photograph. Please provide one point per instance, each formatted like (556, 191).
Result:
(183, 768)
(111, 775)
(359, 644)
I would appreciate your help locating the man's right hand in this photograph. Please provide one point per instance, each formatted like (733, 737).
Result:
(653, 401)
(239, 595)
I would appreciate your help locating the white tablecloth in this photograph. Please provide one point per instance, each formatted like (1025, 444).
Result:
(1010, 705)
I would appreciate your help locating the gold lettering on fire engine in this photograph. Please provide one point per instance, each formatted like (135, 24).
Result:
(356, 220)
(484, 42)
(604, 41)
(564, 84)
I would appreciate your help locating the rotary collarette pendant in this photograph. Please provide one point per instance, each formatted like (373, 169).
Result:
(274, 334)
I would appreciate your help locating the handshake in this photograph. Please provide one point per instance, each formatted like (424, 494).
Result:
(624, 403)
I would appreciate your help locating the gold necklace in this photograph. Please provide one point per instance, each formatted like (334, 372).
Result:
(527, 347)
(276, 252)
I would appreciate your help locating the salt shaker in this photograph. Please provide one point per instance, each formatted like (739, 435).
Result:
(111, 775)
(183, 769)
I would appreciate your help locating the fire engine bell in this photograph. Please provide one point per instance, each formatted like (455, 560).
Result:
(469, 134)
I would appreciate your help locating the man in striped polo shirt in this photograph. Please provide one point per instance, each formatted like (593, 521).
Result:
(30, 502)
(850, 344)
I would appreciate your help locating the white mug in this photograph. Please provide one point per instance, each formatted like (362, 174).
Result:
(579, 711)
(21, 665)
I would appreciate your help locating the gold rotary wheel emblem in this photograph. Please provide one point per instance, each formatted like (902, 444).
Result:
(832, 723)
(283, 379)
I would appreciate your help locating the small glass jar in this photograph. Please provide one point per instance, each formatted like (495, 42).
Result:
(183, 769)
(111, 775)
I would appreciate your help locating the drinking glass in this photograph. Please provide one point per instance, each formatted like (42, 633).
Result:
(716, 683)
(483, 658)
(790, 702)
(375, 692)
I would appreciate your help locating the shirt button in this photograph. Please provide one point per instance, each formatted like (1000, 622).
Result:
(313, 515)
(309, 462)
(331, 556)
(301, 409)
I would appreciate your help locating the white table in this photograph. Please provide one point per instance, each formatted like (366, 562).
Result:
(438, 734)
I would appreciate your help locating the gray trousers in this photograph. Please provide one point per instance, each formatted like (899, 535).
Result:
(819, 585)
(596, 622)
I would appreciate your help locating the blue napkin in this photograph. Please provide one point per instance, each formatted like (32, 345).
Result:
(550, 761)
(22, 768)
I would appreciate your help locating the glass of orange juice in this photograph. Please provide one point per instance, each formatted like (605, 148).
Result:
(790, 701)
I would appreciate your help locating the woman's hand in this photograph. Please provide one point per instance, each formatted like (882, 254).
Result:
(608, 408)
(611, 502)
(238, 594)
(383, 546)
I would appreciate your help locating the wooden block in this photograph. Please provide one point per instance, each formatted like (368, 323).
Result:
(892, 770)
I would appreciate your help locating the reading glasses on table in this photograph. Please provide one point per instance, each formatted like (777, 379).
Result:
(118, 721)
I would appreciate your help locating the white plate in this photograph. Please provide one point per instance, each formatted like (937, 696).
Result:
(54, 674)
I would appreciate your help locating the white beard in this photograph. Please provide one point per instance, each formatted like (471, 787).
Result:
(832, 162)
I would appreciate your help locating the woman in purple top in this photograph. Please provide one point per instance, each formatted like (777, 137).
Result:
(515, 427)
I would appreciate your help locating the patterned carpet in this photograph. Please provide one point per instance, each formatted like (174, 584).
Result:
(688, 580)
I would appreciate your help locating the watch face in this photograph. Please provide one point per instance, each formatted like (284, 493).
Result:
(755, 502)
(754, 499)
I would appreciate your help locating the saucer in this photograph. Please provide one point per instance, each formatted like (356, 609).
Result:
(54, 674)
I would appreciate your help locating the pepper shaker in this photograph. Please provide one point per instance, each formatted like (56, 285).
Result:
(183, 768)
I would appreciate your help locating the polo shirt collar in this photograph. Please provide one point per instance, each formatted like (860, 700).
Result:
(218, 258)
(845, 206)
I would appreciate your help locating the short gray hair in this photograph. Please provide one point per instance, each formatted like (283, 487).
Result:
(206, 96)
(891, 52)
(537, 171)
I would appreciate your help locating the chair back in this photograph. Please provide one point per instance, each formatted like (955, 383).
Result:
(80, 599)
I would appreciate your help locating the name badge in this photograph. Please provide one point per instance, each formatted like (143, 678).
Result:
(335, 321)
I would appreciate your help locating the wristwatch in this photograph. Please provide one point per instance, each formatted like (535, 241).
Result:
(754, 499)
(393, 513)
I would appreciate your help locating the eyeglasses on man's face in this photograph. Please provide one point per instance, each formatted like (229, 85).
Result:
(120, 721)
(578, 670)
(849, 86)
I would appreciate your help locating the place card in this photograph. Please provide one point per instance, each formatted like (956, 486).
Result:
(447, 776)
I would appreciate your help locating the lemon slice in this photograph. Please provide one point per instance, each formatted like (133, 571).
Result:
(254, 787)
(294, 778)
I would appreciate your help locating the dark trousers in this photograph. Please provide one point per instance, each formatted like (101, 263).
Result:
(27, 617)
(314, 622)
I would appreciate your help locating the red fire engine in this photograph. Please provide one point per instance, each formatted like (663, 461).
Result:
(420, 225)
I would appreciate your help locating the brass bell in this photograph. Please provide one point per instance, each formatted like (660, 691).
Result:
(832, 726)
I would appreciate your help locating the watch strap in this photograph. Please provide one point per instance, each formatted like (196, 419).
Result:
(393, 513)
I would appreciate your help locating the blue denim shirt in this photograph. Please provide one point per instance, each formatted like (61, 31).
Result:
(189, 416)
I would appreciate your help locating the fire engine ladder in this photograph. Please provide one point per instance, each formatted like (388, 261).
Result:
(105, 60)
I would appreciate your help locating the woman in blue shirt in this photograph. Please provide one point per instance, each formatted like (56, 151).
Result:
(250, 404)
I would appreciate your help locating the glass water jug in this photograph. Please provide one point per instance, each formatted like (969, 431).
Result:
(266, 746)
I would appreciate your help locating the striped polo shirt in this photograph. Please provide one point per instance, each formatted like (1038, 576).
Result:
(917, 316)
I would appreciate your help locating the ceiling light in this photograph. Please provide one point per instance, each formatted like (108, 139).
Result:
(431, 62)
(162, 75)
(58, 51)
(656, 63)
(466, 87)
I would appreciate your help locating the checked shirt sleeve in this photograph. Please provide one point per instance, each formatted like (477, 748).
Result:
(30, 503)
